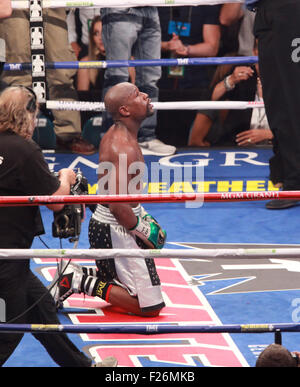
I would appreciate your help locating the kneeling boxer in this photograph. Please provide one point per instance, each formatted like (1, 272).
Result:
(129, 283)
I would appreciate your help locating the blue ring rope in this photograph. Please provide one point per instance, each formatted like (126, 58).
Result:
(137, 63)
(150, 328)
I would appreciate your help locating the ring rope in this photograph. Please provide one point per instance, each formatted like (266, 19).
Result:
(24, 4)
(99, 106)
(99, 254)
(183, 105)
(40, 86)
(135, 63)
(241, 196)
(151, 328)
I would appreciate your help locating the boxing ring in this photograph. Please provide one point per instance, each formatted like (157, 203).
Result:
(146, 328)
(282, 252)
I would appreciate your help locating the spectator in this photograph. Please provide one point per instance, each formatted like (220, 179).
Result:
(233, 15)
(186, 32)
(246, 35)
(90, 84)
(135, 32)
(220, 127)
(275, 355)
(67, 124)
(78, 29)
(5, 11)
(93, 78)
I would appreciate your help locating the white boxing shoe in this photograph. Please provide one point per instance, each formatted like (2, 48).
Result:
(157, 148)
(67, 280)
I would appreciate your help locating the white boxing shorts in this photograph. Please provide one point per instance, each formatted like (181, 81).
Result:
(137, 275)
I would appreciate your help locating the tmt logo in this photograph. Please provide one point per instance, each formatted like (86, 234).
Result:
(2, 311)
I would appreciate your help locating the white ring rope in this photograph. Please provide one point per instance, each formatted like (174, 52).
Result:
(186, 105)
(259, 253)
(24, 4)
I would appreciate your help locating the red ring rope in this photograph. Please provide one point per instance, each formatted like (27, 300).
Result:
(159, 198)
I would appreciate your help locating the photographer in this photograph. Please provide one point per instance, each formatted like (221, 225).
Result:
(24, 171)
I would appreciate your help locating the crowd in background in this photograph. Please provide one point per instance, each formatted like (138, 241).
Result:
(189, 31)
(203, 31)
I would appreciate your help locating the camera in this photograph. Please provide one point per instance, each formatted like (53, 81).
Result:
(67, 222)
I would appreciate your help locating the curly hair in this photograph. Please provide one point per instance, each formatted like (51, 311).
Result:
(14, 114)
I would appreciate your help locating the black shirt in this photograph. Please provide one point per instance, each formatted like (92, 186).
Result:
(239, 120)
(195, 17)
(23, 172)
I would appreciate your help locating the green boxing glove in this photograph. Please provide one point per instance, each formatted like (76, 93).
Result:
(149, 231)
